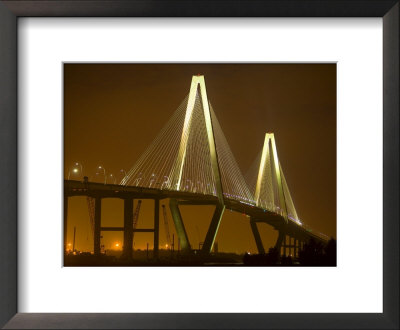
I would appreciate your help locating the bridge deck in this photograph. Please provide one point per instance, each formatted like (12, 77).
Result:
(92, 189)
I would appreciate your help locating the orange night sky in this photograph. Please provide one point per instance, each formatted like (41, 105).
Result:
(112, 112)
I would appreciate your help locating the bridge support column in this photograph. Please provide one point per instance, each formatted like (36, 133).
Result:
(278, 244)
(65, 222)
(285, 247)
(128, 228)
(257, 237)
(295, 248)
(97, 226)
(183, 241)
(290, 246)
(156, 227)
(213, 229)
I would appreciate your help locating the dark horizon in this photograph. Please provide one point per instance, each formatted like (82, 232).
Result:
(112, 112)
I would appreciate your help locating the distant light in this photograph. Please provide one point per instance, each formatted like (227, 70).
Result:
(166, 245)
(75, 170)
(117, 244)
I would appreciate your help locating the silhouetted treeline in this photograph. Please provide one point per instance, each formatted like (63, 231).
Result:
(316, 254)
(312, 254)
(271, 258)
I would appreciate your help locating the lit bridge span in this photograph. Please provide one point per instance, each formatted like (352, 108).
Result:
(190, 163)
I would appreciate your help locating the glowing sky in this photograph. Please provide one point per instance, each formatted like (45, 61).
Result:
(112, 112)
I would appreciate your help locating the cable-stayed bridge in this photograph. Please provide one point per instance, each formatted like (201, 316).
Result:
(190, 162)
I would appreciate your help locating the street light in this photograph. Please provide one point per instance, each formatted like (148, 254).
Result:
(75, 169)
(165, 182)
(123, 173)
(104, 173)
(114, 181)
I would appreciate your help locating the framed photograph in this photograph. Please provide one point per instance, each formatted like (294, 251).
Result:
(185, 171)
(199, 164)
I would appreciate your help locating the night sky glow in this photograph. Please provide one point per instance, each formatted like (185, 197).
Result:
(113, 112)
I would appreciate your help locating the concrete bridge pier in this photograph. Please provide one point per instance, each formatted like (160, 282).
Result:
(257, 237)
(65, 222)
(280, 239)
(128, 228)
(97, 226)
(299, 247)
(285, 246)
(183, 240)
(156, 227)
(213, 228)
(292, 246)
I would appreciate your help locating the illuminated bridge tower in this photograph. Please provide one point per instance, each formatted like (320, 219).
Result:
(197, 94)
(272, 194)
(190, 162)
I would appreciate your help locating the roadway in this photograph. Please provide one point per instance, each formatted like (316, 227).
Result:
(92, 189)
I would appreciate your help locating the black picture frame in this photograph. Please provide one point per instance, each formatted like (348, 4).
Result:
(9, 13)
